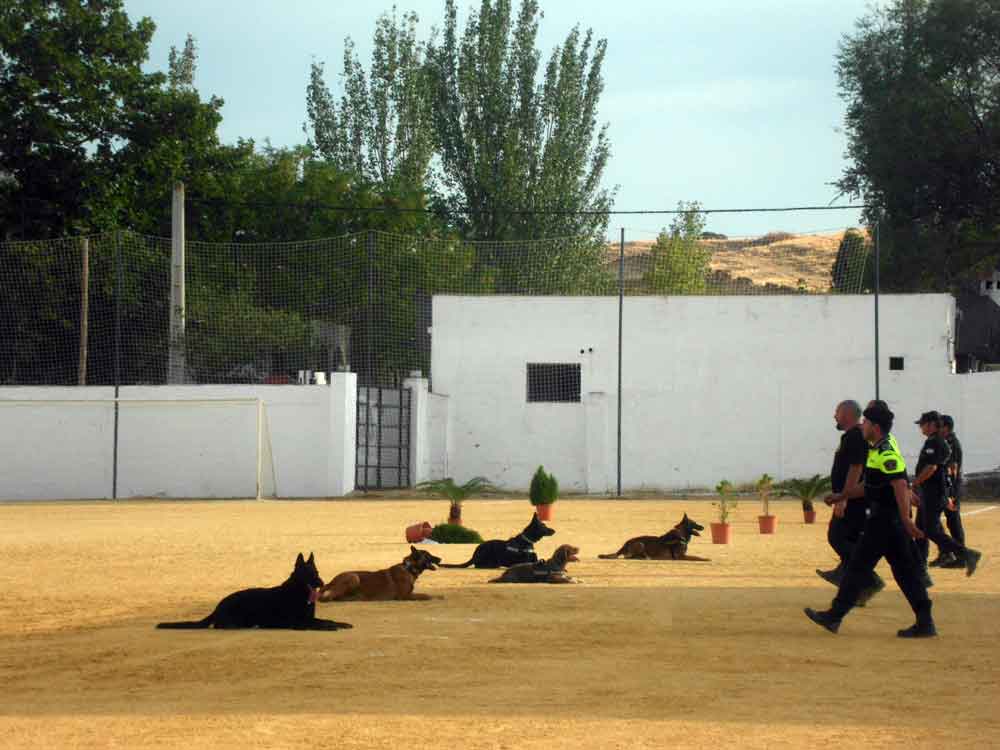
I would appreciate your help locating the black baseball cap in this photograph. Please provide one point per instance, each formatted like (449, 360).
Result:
(929, 416)
(880, 416)
(947, 421)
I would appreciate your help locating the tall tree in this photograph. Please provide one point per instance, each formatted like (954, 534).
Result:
(921, 79)
(510, 143)
(679, 260)
(381, 129)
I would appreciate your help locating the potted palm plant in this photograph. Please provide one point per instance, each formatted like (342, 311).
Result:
(807, 490)
(768, 523)
(544, 491)
(722, 532)
(456, 493)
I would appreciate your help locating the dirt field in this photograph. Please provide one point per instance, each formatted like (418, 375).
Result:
(642, 654)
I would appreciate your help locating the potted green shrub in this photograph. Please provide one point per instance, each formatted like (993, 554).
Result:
(768, 523)
(544, 491)
(722, 532)
(456, 493)
(807, 490)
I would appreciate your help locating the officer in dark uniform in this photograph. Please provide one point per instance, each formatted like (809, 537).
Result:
(953, 509)
(930, 491)
(848, 519)
(887, 533)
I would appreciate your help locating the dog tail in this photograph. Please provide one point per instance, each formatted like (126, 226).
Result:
(206, 623)
(462, 565)
(613, 555)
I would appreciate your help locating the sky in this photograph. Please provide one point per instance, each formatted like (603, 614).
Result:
(732, 103)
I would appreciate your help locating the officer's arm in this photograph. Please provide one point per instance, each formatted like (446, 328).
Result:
(853, 487)
(924, 475)
(901, 491)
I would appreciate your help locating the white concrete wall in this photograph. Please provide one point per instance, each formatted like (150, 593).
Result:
(713, 387)
(180, 450)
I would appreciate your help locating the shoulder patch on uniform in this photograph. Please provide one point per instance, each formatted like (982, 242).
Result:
(890, 464)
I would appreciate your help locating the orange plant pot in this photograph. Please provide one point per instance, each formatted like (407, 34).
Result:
(809, 516)
(722, 533)
(544, 512)
(418, 532)
(455, 521)
(768, 524)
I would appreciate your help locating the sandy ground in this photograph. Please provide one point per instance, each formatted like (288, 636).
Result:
(642, 654)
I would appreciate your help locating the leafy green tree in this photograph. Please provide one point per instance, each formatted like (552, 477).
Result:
(849, 268)
(679, 260)
(68, 73)
(506, 139)
(381, 130)
(923, 126)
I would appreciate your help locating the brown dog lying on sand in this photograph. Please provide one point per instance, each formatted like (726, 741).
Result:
(395, 583)
(552, 570)
(671, 546)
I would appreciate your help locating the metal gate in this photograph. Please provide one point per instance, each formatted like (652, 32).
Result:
(383, 439)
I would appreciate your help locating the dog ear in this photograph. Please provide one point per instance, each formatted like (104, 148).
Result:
(413, 549)
(299, 561)
(310, 560)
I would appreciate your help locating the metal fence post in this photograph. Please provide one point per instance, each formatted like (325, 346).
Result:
(877, 291)
(621, 307)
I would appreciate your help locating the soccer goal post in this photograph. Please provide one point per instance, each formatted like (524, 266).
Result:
(170, 448)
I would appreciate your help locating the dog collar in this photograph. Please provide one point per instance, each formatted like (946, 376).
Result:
(409, 567)
(526, 540)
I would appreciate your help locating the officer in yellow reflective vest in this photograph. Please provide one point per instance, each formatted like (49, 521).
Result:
(888, 533)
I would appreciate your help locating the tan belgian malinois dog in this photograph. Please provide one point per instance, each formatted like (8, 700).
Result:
(395, 583)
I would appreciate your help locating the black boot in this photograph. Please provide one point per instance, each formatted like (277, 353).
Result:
(824, 619)
(869, 591)
(942, 560)
(834, 576)
(922, 628)
(971, 561)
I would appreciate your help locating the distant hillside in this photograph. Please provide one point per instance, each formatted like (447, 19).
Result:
(777, 260)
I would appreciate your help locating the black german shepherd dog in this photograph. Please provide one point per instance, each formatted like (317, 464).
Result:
(292, 605)
(497, 553)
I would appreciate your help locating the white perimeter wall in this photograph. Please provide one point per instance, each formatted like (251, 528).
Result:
(56, 450)
(713, 387)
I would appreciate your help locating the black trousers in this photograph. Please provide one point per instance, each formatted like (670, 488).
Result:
(954, 517)
(929, 522)
(884, 536)
(844, 533)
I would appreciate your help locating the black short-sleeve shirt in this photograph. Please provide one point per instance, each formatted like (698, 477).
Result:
(853, 449)
(934, 453)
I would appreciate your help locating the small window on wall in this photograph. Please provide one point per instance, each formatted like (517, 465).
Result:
(895, 363)
(548, 383)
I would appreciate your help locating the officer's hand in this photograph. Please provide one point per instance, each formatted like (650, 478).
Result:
(914, 498)
(839, 508)
(830, 499)
(912, 530)
(951, 504)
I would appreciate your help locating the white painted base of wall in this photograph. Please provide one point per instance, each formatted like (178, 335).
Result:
(65, 450)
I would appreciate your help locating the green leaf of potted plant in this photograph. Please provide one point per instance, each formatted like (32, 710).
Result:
(456, 493)
(543, 492)
(807, 490)
(722, 532)
(768, 523)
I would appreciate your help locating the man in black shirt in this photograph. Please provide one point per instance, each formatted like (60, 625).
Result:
(887, 533)
(953, 509)
(848, 519)
(929, 490)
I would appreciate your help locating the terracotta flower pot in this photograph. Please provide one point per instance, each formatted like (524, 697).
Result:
(544, 512)
(722, 533)
(418, 532)
(809, 516)
(768, 524)
(455, 520)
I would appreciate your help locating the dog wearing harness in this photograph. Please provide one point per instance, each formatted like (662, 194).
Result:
(497, 553)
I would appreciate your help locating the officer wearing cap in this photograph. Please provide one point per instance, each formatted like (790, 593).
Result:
(929, 490)
(887, 533)
(953, 509)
